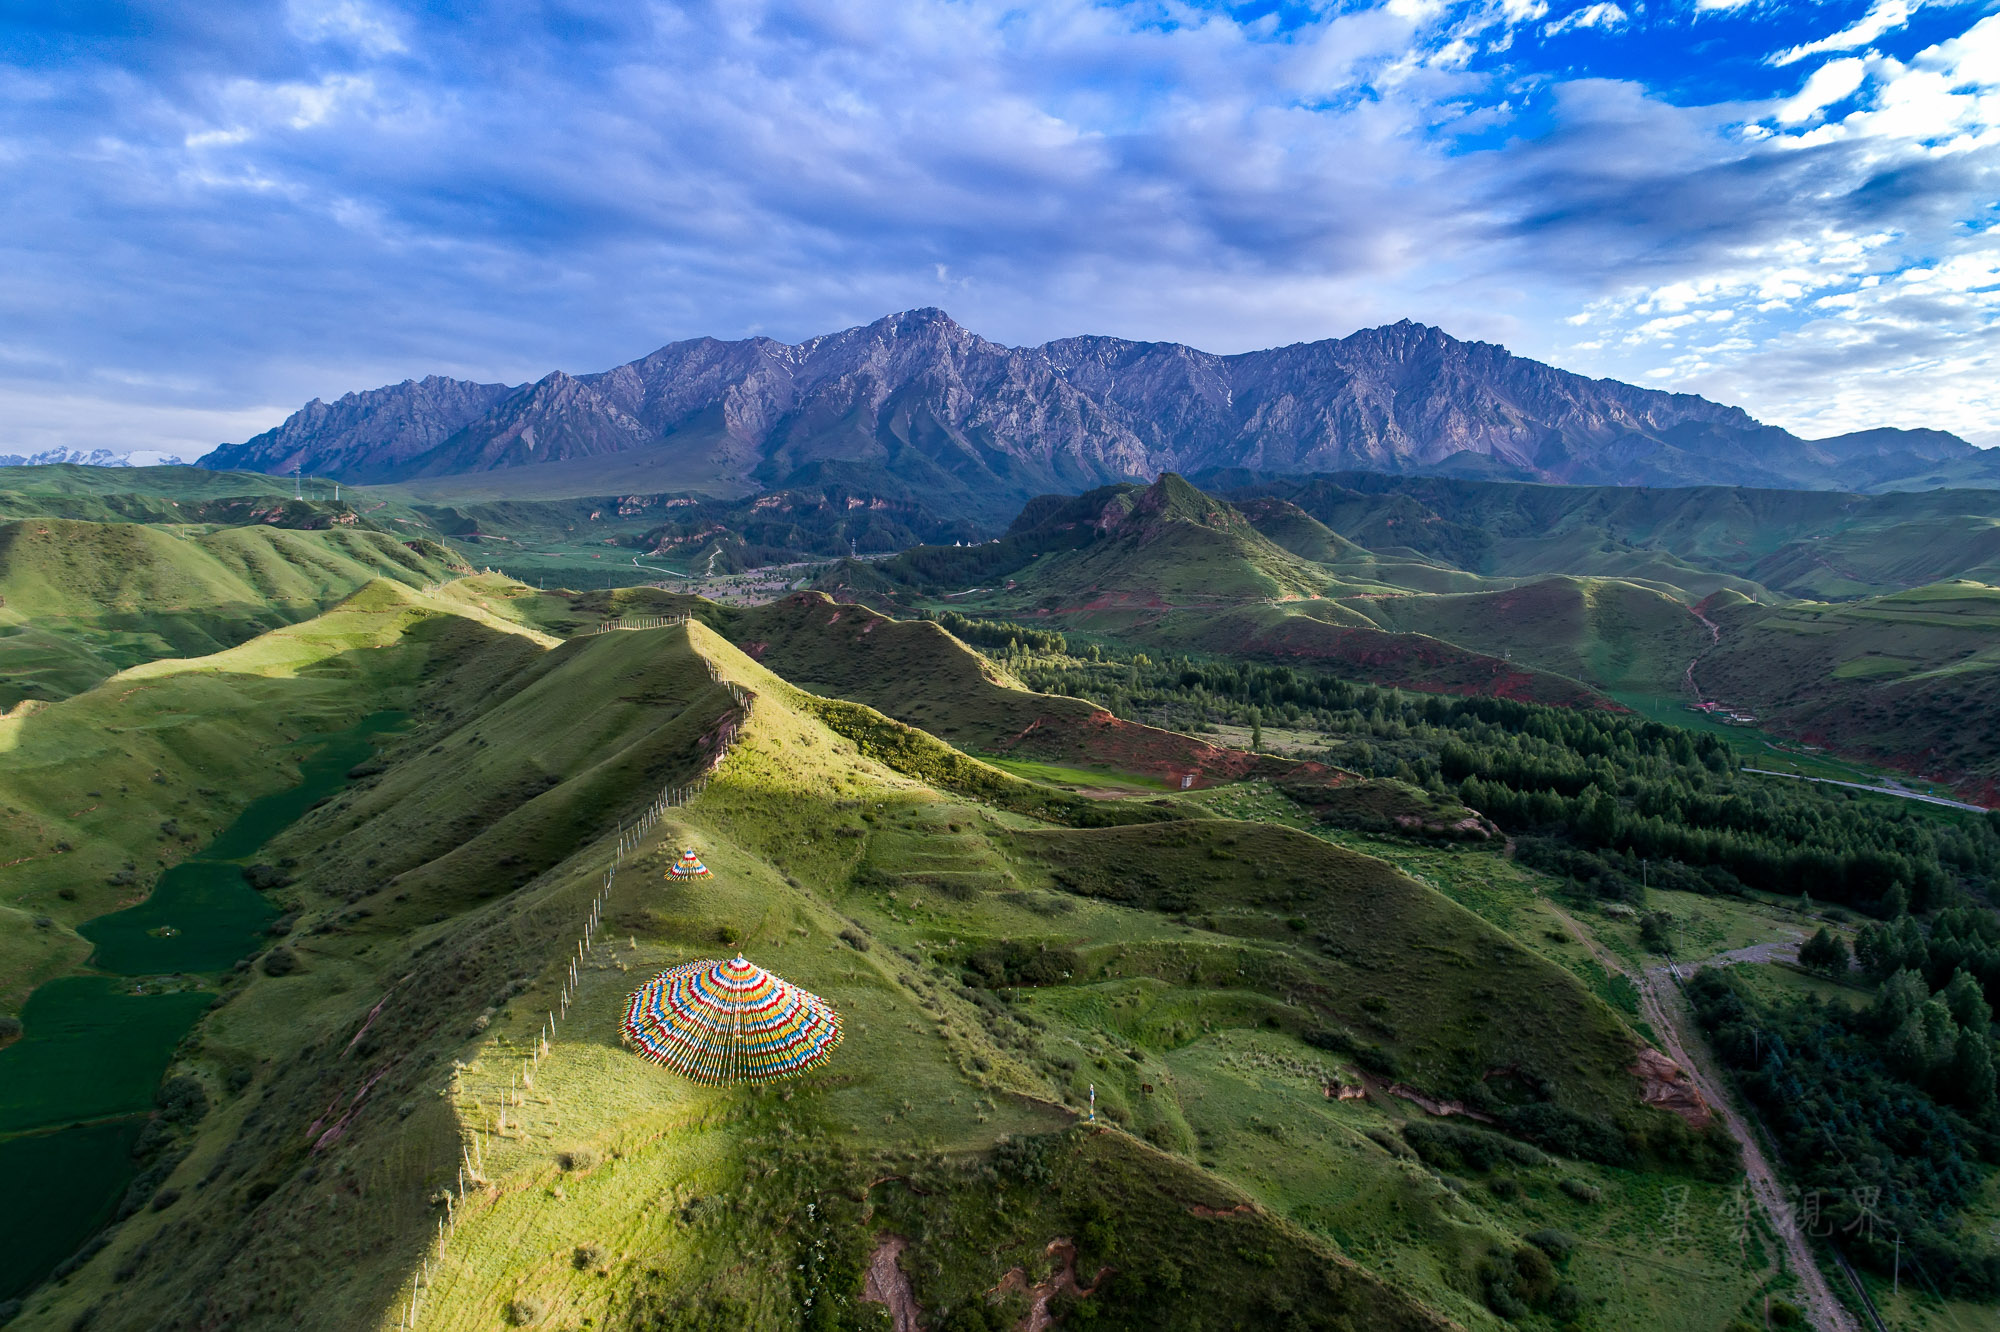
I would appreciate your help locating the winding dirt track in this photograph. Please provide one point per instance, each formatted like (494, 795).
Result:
(1660, 1003)
(1714, 637)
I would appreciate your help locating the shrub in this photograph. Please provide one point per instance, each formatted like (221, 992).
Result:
(523, 1310)
(588, 1256)
(1012, 964)
(280, 961)
(182, 1100)
(1567, 1133)
(1557, 1244)
(265, 877)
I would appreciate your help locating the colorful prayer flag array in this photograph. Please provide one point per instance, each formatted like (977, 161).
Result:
(720, 1022)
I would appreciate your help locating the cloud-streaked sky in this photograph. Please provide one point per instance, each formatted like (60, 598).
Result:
(212, 212)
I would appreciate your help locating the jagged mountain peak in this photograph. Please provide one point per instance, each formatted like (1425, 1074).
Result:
(916, 403)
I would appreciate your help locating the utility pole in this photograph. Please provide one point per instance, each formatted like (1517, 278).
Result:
(297, 492)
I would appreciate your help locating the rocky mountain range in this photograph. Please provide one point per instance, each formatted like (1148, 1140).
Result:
(91, 458)
(916, 405)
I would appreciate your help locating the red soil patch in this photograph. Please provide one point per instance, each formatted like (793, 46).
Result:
(1098, 739)
(1039, 1294)
(1665, 1084)
(1415, 661)
(1210, 1213)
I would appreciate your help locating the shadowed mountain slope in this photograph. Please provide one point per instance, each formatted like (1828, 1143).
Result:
(1763, 543)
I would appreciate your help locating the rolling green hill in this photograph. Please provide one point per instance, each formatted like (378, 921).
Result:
(83, 600)
(1167, 545)
(1215, 983)
(1698, 540)
(1911, 679)
(1614, 634)
(1170, 570)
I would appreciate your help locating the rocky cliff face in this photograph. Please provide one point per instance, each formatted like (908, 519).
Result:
(365, 436)
(917, 403)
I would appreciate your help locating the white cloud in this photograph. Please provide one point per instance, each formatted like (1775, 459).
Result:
(1830, 83)
(365, 193)
(1601, 15)
(361, 26)
(1883, 17)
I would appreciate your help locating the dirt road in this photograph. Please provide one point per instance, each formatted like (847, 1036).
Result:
(1714, 637)
(1885, 788)
(1665, 1011)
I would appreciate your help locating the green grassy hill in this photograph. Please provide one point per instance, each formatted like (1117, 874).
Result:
(916, 672)
(83, 600)
(1168, 544)
(1614, 634)
(1909, 679)
(1698, 540)
(1216, 982)
(162, 484)
(1171, 570)
(106, 789)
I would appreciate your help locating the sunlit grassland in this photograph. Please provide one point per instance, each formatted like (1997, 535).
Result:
(142, 768)
(440, 899)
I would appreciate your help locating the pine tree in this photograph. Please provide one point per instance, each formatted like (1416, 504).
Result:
(1824, 952)
(1967, 1001)
(1972, 1068)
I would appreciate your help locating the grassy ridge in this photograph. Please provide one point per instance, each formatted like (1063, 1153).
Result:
(1699, 539)
(83, 600)
(105, 789)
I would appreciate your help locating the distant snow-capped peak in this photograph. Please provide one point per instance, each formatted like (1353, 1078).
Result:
(94, 458)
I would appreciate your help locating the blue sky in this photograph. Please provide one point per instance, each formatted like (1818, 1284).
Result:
(213, 212)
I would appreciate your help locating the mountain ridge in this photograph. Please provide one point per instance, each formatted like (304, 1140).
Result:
(917, 401)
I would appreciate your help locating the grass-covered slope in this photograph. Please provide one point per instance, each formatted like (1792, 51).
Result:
(1216, 982)
(1698, 539)
(1911, 679)
(1172, 570)
(916, 672)
(19, 484)
(1614, 634)
(1165, 545)
(102, 791)
(82, 600)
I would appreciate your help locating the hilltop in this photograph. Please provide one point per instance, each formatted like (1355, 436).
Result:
(914, 405)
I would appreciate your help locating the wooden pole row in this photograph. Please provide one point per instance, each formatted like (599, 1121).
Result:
(472, 1156)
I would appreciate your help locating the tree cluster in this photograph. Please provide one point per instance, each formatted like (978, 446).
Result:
(1882, 1114)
